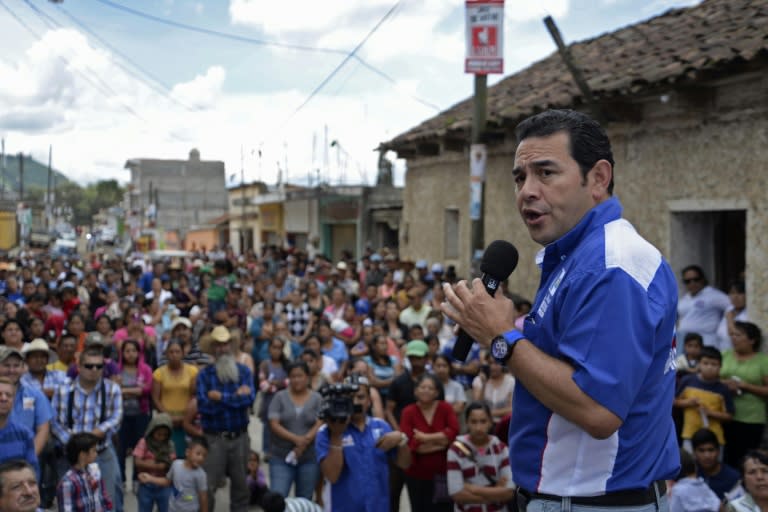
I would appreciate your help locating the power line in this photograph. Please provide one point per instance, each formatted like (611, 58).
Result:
(216, 33)
(346, 59)
(158, 86)
(262, 42)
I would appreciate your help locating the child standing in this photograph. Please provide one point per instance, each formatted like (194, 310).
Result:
(187, 478)
(689, 359)
(81, 489)
(690, 493)
(256, 480)
(154, 454)
(222, 280)
(706, 401)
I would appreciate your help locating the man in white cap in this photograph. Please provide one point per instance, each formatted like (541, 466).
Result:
(225, 394)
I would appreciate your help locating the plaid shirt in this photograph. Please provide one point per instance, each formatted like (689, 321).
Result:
(54, 379)
(86, 411)
(79, 491)
(230, 414)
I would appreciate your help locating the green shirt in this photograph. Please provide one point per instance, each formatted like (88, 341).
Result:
(749, 408)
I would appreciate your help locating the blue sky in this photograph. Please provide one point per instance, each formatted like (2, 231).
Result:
(228, 98)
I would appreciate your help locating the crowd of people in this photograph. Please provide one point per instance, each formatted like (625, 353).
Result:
(162, 362)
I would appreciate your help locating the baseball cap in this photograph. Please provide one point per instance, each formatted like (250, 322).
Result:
(94, 339)
(236, 287)
(180, 320)
(6, 352)
(422, 264)
(362, 307)
(375, 257)
(437, 268)
(416, 348)
(341, 265)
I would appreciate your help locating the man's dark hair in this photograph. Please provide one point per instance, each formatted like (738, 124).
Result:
(697, 269)
(92, 351)
(704, 436)
(475, 406)
(13, 465)
(738, 285)
(589, 142)
(309, 352)
(711, 353)
(687, 465)
(272, 502)
(693, 336)
(79, 443)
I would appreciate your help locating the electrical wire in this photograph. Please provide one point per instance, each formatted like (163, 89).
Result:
(152, 81)
(262, 42)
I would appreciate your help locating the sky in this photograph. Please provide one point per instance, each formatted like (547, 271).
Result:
(101, 84)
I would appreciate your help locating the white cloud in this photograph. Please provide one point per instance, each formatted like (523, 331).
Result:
(203, 90)
(199, 8)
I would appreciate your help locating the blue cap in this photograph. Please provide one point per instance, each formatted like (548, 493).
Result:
(362, 307)
(375, 257)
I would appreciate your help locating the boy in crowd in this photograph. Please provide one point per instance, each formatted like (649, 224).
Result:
(187, 478)
(81, 489)
(706, 401)
(691, 493)
(688, 361)
(721, 478)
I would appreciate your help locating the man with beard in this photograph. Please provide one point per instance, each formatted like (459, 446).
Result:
(225, 395)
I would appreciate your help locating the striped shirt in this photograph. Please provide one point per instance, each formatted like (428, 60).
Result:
(301, 505)
(490, 464)
(53, 380)
(86, 410)
(17, 442)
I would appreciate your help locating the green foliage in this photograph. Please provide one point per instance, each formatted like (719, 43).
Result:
(87, 201)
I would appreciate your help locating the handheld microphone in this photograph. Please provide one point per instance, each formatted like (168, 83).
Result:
(499, 260)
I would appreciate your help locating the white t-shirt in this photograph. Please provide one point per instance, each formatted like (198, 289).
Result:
(723, 339)
(454, 392)
(701, 313)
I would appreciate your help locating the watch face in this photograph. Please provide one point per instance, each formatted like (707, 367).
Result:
(499, 348)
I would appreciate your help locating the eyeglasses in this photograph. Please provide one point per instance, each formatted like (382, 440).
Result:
(691, 280)
(93, 366)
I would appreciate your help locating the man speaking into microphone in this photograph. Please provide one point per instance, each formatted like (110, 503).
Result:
(591, 427)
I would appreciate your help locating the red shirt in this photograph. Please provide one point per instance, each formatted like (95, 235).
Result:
(425, 466)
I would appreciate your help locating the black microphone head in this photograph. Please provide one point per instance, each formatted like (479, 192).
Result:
(499, 259)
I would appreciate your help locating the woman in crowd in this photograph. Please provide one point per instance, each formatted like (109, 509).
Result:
(316, 300)
(328, 366)
(494, 386)
(76, 327)
(745, 372)
(136, 387)
(13, 334)
(395, 329)
(317, 379)
(453, 391)
(173, 386)
(294, 424)
(431, 427)
(339, 304)
(754, 474)
(384, 367)
(272, 378)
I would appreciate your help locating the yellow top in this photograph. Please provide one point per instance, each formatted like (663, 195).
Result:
(176, 390)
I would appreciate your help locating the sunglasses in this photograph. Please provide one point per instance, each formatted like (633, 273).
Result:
(691, 280)
(93, 366)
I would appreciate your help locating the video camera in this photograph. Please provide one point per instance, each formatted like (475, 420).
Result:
(338, 401)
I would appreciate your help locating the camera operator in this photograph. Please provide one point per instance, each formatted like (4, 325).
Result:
(353, 450)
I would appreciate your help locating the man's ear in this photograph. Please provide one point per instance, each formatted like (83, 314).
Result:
(600, 177)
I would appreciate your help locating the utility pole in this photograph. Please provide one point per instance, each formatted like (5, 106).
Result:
(484, 55)
(2, 169)
(48, 207)
(242, 186)
(21, 177)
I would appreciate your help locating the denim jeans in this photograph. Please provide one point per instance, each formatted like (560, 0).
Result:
(110, 474)
(566, 506)
(282, 475)
(151, 494)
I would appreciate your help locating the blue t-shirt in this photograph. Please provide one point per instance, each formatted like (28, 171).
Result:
(607, 305)
(18, 442)
(363, 485)
(337, 352)
(31, 408)
(723, 481)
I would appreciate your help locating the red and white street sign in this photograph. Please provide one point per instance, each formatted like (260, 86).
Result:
(485, 37)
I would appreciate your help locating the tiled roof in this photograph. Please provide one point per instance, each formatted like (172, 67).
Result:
(675, 46)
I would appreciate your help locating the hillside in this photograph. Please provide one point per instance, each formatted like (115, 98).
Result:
(35, 174)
